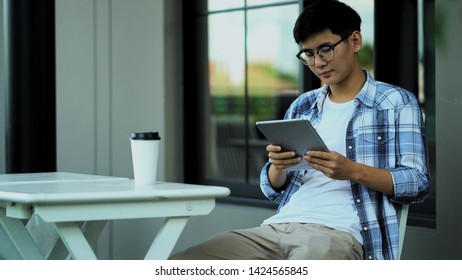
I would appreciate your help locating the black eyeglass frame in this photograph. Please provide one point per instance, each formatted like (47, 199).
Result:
(331, 47)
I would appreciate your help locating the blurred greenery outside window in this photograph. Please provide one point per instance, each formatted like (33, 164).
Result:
(252, 69)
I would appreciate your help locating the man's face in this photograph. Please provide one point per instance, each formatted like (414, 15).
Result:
(338, 62)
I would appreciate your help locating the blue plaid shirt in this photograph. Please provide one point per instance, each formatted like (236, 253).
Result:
(385, 131)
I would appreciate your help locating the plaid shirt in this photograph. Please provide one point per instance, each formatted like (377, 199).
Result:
(386, 131)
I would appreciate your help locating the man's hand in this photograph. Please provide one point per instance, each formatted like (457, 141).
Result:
(282, 160)
(338, 167)
(332, 164)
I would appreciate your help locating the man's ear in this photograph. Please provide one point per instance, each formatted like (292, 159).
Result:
(357, 39)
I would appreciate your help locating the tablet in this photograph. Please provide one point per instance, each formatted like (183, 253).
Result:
(296, 135)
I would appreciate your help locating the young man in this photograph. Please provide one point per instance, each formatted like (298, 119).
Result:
(344, 206)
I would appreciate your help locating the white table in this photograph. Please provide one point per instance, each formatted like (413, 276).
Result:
(79, 205)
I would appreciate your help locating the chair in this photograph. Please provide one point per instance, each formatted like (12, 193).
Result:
(402, 221)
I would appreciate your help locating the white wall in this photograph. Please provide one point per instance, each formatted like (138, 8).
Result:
(110, 82)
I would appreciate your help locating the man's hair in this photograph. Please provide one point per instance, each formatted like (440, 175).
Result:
(336, 16)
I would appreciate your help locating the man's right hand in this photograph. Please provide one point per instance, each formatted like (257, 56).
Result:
(281, 160)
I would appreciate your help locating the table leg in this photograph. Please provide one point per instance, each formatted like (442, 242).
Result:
(166, 238)
(92, 231)
(20, 237)
(75, 241)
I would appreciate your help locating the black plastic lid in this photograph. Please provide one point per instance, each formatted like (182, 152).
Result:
(145, 136)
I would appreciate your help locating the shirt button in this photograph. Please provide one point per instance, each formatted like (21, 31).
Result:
(350, 147)
(364, 228)
(358, 200)
(379, 138)
(370, 257)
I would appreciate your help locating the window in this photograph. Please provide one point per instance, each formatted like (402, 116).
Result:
(249, 73)
(240, 67)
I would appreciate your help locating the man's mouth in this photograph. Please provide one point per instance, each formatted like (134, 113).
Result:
(325, 74)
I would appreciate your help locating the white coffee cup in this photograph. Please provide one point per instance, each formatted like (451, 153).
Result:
(145, 154)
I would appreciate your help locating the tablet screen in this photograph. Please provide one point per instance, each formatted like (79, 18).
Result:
(296, 135)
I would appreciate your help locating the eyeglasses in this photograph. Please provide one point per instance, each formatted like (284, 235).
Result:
(326, 53)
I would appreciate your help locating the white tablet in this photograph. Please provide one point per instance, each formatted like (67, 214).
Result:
(296, 135)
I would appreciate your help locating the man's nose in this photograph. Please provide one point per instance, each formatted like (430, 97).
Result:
(319, 61)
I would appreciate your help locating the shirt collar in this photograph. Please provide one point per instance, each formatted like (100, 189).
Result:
(366, 95)
(322, 96)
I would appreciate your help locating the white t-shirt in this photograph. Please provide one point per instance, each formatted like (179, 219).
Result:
(322, 200)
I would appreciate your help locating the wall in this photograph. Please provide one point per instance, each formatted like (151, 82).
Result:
(110, 81)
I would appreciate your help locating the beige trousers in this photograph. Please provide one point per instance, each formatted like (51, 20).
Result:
(291, 241)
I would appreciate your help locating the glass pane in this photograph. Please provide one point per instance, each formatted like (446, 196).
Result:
(224, 120)
(216, 5)
(365, 9)
(272, 73)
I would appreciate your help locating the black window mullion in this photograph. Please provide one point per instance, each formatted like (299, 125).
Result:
(308, 80)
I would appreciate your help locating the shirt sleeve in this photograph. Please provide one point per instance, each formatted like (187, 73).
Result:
(293, 182)
(265, 184)
(410, 177)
